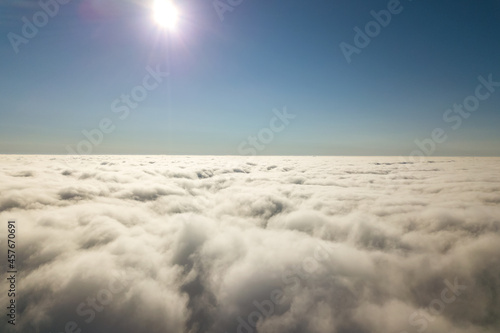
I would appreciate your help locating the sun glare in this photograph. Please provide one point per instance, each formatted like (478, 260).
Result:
(165, 13)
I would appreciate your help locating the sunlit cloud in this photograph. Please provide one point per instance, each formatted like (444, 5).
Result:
(274, 244)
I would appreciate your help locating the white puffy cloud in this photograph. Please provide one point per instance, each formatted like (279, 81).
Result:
(261, 244)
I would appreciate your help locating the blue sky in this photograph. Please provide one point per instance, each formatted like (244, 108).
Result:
(226, 78)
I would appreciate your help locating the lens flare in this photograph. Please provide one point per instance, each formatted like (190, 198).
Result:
(165, 14)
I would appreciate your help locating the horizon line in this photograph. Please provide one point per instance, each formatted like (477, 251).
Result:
(235, 155)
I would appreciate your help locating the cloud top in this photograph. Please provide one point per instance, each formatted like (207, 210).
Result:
(260, 244)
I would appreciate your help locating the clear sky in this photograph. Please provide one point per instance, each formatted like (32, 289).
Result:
(227, 79)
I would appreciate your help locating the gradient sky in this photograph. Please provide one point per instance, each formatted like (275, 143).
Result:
(226, 77)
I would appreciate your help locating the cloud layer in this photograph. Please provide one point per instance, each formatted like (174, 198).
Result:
(262, 244)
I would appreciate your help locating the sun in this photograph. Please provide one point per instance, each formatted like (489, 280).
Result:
(165, 13)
